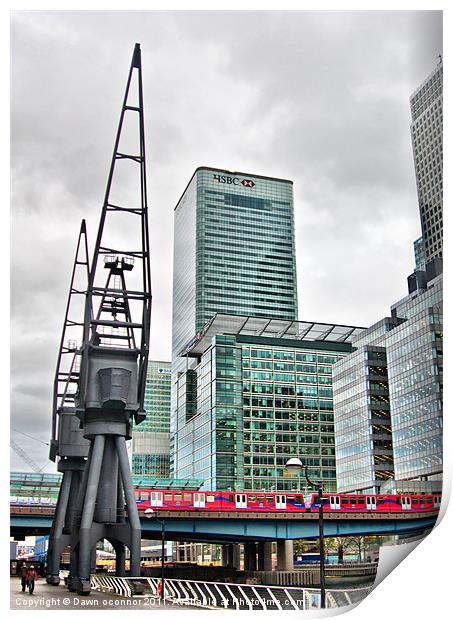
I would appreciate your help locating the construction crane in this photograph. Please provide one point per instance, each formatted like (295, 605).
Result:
(24, 456)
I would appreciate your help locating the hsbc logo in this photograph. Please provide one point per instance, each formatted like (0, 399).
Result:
(220, 178)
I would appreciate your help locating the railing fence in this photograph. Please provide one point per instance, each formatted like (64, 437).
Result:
(229, 595)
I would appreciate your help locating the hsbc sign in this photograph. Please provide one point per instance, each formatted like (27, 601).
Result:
(221, 178)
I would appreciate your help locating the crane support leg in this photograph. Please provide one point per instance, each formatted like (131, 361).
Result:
(57, 541)
(85, 531)
(120, 550)
(134, 521)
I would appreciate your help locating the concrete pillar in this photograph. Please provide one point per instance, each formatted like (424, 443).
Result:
(236, 557)
(224, 554)
(250, 556)
(285, 555)
(233, 555)
(230, 555)
(265, 555)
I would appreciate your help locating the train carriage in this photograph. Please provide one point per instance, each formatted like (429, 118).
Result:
(267, 502)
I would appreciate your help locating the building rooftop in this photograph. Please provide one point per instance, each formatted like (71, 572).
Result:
(229, 324)
(233, 174)
(27, 481)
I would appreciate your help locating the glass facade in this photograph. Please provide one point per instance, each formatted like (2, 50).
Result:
(388, 398)
(363, 436)
(256, 402)
(415, 362)
(419, 254)
(151, 438)
(427, 143)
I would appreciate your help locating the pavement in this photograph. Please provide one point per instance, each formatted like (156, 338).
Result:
(59, 597)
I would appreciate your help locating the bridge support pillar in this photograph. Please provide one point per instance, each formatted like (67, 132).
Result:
(250, 556)
(224, 554)
(232, 556)
(236, 563)
(265, 555)
(285, 559)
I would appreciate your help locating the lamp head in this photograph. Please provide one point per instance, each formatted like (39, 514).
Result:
(294, 463)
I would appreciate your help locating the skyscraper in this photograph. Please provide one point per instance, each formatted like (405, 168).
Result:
(426, 133)
(234, 250)
(150, 439)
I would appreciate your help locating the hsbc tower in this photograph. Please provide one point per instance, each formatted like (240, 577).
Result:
(234, 251)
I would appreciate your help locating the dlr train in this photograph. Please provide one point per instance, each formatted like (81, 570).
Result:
(284, 502)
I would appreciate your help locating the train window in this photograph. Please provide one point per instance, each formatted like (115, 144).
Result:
(231, 498)
(422, 500)
(269, 499)
(415, 501)
(261, 498)
(344, 500)
(398, 501)
(167, 497)
(137, 495)
(353, 501)
(252, 498)
(144, 495)
(178, 497)
(299, 499)
(361, 501)
(290, 496)
(187, 497)
(210, 498)
(316, 499)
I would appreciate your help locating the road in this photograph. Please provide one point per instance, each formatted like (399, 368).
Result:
(58, 597)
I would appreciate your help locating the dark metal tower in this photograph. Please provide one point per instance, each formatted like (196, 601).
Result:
(114, 352)
(67, 441)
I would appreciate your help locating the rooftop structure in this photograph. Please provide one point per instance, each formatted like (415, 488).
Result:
(305, 332)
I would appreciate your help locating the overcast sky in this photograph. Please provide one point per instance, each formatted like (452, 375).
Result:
(321, 98)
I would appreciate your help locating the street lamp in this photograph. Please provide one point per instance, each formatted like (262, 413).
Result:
(150, 513)
(296, 464)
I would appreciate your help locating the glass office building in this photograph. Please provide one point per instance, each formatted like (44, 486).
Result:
(415, 369)
(259, 392)
(363, 435)
(427, 143)
(234, 250)
(151, 438)
(388, 400)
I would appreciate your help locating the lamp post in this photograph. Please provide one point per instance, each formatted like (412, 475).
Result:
(150, 513)
(296, 464)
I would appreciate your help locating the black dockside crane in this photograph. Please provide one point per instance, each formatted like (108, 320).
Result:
(114, 353)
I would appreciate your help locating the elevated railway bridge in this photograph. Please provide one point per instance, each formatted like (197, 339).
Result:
(236, 527)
